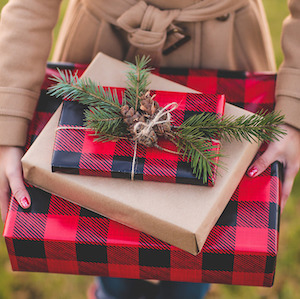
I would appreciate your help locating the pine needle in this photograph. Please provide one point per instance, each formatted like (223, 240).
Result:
(262, 126)
(137, 80)
(85, 91)
(201, 152)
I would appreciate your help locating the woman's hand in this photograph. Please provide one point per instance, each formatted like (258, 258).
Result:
(11, 179)
(286, 151)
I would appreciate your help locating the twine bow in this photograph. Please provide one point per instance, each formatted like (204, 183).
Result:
(144, 133)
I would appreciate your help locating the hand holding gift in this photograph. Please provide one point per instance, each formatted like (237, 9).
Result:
(11, 179)
(286, 151)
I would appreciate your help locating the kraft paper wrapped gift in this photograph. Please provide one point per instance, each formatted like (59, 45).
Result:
(60, 237)
(182, 215)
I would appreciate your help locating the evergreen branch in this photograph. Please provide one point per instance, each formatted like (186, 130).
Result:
(200, 153)
(137, 85)
(137, 81)
(85, 91)
(105, 122)
(262, 126)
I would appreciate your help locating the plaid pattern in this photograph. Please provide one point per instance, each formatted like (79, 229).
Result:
(76, 152)
(61, 237)
(251, 91)
(47, 105)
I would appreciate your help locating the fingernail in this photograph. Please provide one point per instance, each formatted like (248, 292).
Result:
(252, 171)
(24, 202)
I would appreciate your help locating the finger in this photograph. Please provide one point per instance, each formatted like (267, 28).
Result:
(18, 190)
(4, 196)
(4, 202)
(263, 162)
(289, 177)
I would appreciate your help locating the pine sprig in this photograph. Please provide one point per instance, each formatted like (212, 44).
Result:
(85, 91)
(137, 81)
(200, 152)
(104, 113)
(102, 122)
(261, 126)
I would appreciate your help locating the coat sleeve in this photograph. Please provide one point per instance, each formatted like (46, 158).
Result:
(288, 80)
(25, 42)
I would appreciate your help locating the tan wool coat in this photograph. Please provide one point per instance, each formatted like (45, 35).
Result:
(217, 34)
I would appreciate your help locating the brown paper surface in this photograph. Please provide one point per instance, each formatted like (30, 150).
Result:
(182, 215)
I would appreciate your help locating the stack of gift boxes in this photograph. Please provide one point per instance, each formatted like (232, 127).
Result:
(226, 232)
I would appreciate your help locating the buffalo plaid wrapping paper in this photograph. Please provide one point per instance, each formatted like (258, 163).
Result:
(61, 237)
(76, 152)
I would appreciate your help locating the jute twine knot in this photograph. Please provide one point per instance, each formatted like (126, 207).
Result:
(146, 132)
(150, 121)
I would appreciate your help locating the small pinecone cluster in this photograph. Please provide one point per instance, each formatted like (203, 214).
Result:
(150, 108)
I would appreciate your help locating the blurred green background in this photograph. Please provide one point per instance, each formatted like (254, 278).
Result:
(287, 279)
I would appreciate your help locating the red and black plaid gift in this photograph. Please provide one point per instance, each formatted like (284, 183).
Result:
(57, 236)
(76, 152)
(60, 237)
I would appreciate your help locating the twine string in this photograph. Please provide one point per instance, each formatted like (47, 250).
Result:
(71, 128)
(133, 160)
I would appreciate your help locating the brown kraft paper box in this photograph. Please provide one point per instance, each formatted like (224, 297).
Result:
(182, 215)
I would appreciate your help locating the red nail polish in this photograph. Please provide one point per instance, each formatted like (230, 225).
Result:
(252, 171)
(24, 202)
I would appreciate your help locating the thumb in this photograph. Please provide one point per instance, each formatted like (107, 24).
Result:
(262, 163)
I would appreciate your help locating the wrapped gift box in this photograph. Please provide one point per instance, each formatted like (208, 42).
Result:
(182, 215)
(58, 236)
(76, 152)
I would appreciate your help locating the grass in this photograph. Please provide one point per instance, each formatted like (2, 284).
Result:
(287, 279)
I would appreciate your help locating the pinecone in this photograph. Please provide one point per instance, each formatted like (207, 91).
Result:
(148, 139)
(151, 108)
(136, 123)
(162, 129)
(130, 117)
(140, 126)
(148, 105)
